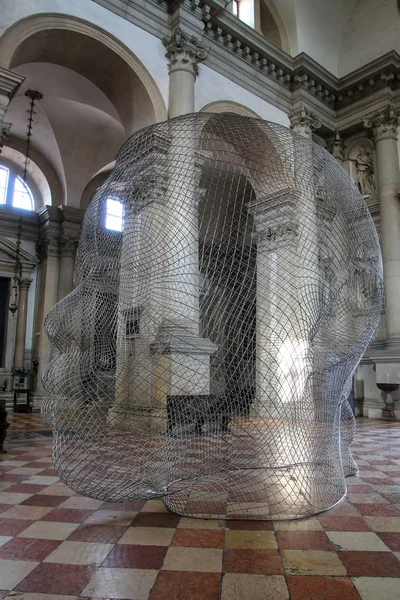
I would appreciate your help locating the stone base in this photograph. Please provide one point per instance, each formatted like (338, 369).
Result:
(388, 414)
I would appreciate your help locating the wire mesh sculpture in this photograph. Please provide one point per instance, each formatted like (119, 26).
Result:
(206, 354)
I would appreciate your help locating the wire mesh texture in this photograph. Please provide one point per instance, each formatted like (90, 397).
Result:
(228, 280)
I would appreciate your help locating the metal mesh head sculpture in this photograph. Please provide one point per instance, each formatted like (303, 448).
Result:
(206, 354)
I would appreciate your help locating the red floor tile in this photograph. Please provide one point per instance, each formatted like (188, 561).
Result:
(391, 539)
(186, 585)
(148, 519)
(48, 472)
(136, 557)
(10, 478)
(28, 549)
(343, 523)
(26, 488)
(377, 510)
(267, 562)
(254, 525)
(98, 533)
(321, 588)
(370, 564)
(13, 526)
(57, 579)
(199, 538)
(67, 515)
(360, 489)
(303, 540)
(125, 506)
(378, 481)
(4, 507)
(43, 500)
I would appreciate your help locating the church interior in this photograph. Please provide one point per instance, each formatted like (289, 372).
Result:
(169, 171)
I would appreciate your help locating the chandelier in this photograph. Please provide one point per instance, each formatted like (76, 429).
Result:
(14, 293)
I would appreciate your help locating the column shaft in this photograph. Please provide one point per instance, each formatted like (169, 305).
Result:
(67, 266)
(22, 314)
(384, 128)
(48, 294)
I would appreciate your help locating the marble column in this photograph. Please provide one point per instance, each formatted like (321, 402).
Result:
(67, 266)
(304, 122)
(383, 125)
(22, 314)
(48, 250)
(277, 333)
(183, 54)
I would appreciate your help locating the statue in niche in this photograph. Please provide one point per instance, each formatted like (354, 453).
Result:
(365, 172)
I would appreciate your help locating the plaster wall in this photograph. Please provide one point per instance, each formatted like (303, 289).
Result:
(213, 87)
(145, 46)
(372, 31)
(321, 26)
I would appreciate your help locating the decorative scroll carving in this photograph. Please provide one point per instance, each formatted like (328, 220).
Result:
(184, 51)
(304, 121)
(4, 131)
(383, 123)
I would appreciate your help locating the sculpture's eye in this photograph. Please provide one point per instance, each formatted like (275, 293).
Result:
(229, 280)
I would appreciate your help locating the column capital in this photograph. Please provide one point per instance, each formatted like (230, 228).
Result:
(68, 247)
(304, 121)
(25, 284)
(275, 220)
(4, 131)
(48, 246)
(383, 124)
(184, 52)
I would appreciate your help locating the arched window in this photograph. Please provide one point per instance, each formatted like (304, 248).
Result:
(114, 214)
(13, 190)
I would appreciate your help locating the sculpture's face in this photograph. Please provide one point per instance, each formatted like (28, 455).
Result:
(208, 347)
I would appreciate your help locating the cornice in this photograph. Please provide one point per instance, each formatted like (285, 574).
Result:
(10, 82)
(246, 57)
(10, 219)
(150, 15)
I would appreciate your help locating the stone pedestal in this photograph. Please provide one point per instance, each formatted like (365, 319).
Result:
(388, 381)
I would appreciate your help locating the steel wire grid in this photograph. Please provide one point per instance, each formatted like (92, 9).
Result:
(206, 354)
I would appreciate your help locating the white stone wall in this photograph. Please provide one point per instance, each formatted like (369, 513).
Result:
(373, 30)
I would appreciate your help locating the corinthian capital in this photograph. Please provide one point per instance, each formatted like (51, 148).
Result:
(383, 124)
(68, 247)
(304, 122)
(4, 131)
(184, 52)
(25, 283)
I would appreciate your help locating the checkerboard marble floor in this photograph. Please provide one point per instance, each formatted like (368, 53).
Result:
(58, 545)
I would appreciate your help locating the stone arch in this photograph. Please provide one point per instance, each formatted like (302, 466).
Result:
(93, 185)
(37, 38)
(271, 25)
(227, 106)
(40, 170)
